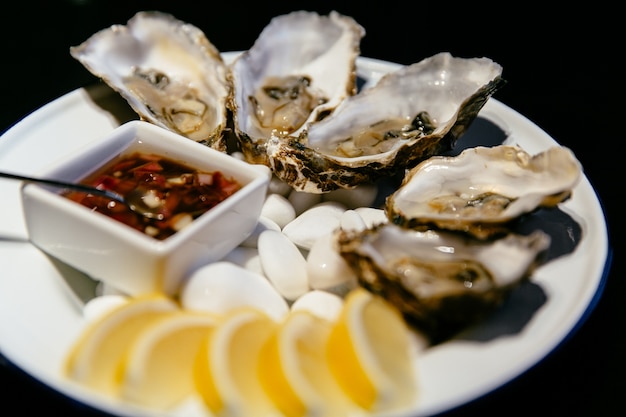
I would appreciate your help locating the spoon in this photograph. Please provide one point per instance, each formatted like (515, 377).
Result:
(134, 200)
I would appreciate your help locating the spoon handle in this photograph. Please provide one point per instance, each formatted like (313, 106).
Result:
(61, 184)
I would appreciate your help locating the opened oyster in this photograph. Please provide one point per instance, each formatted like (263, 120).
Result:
(482, 188)
(441, 281)
(411, 114)
(167, 70)
(299, 69)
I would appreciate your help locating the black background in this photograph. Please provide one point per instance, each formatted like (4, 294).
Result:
(564, 74)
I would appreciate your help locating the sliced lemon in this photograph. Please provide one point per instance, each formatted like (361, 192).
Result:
(294, 371)
(157, 370)
(371, 355)
(94, 358)
(225, 372)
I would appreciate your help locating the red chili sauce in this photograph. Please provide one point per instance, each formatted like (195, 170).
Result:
(183, 193)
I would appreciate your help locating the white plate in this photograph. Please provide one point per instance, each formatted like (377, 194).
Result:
(41, 300)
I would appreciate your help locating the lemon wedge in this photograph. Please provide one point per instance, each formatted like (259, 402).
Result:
(225, 371)
(94, 358)
(157, 370)
(294, 371)
(371, 355)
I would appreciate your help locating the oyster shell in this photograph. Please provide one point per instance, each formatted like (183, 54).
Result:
(482, 188)
(411, 114)
(299, 69)
(441, 281)
(167, 70)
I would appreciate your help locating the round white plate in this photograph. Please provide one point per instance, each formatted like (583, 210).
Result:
(41, 299)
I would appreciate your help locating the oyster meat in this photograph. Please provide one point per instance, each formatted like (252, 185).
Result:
(167, 70)
(482, 188)
(411, 114)
(299, 69)
(441, 281)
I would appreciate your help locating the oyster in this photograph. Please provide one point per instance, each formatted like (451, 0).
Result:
(482, 188)
(167, 70)
(299, 69)
(411, 114)
(441, 281)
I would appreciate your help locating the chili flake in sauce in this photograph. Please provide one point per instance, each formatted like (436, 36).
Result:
(184, 193)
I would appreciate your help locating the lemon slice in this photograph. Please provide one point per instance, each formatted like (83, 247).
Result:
(225, 372)
(294, 371)
(157, 370)
(371, 355)
(94, 358)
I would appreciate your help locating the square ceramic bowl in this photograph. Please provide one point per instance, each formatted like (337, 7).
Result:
(127, 259)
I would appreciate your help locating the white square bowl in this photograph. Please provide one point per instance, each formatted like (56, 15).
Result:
(127, 259)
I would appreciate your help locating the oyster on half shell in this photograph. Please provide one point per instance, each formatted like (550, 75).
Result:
(168, 72)
(441, 281)
(299, 69)
(411, 114)
(482, 188)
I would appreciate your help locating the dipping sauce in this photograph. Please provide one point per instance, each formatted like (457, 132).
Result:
(182, 192)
